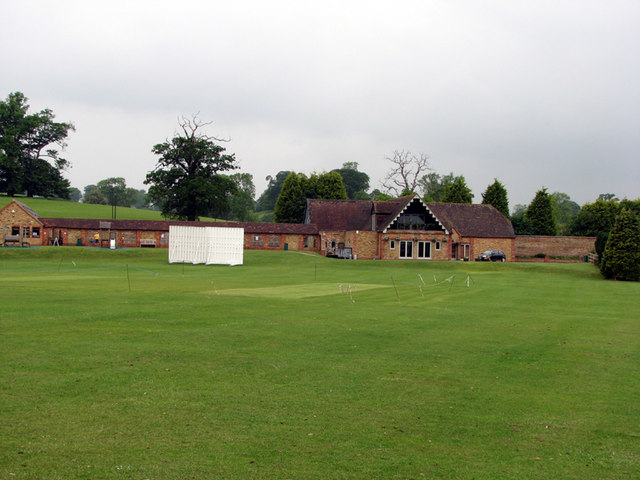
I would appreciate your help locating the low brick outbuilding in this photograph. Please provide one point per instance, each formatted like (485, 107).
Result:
(404, 228)
(18, 220)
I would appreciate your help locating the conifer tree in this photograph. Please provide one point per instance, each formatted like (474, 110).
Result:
(540, 214)
(327, 185)
(496, 195)
(292, 200)
(621, 257)
(457, 192)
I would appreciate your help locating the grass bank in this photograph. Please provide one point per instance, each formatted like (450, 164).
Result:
(47, 208)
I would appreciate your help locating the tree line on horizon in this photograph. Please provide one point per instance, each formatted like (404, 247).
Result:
(190, 181)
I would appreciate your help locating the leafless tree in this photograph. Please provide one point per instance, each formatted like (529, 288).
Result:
(406, 172)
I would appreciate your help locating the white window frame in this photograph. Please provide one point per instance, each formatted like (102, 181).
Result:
(404, 246)
(437, 245)
(424, 245)
(392, 245)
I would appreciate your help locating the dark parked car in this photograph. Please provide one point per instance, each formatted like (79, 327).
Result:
(493, 256)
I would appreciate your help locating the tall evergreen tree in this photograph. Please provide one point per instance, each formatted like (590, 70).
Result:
(596, 219)
(621, 258)
(327, 185)
(540, 214)
(292, 201)
(496, 195)
(457, 192)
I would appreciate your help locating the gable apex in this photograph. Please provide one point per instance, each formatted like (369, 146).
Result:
(404, 205)
(15, 204)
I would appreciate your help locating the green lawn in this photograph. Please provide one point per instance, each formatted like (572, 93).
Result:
(118, 365)
(47, 208)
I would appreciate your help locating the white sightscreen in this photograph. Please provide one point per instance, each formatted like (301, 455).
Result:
(209, 245)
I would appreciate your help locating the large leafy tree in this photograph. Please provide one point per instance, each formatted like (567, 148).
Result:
(114, 190)
(29, 156)
(267, 200)
(355, 182)
(621, 258)
(433, 185)
(242, 202)
(457, 192)
(93, 195)
(187, 182)
(75, 195)
(540, 214)
(564, 209)
(496, 195)
(519, 220)
(292, 201)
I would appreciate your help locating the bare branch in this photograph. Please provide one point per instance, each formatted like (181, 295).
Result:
(191, 125)
(406, 171)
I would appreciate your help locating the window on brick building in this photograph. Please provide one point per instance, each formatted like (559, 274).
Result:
(256, 241)
(406, 249)
(309, 242)
(424, 249)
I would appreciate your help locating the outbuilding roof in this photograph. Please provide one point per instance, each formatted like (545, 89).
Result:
(473, 220)
(163, 225)
(339, 214)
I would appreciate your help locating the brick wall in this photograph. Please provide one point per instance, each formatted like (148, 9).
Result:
(365, 245)
(480, 245)
(13, 217)
(531, 245)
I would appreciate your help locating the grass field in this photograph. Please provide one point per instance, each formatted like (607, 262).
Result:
(47, 208)
(118, 365)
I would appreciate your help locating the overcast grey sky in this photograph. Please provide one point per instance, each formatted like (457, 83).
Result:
(534, 93)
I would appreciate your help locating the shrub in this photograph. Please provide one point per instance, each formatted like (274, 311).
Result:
(621, 257)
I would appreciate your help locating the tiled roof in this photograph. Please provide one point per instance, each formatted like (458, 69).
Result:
(339, 214)
(471, 220)
(482, 221)
(163, 225)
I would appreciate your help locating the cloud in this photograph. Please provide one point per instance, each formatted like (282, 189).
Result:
(534, 93)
